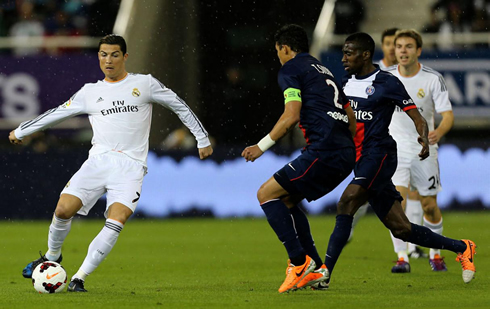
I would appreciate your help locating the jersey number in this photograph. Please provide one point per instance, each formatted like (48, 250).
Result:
(435, 180)
(336, 93)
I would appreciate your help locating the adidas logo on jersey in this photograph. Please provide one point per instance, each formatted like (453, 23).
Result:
(99, 100)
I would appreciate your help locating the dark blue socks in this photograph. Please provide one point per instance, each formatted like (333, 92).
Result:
(304, 234)
(423, 236)
(338, 239)
(280, 220)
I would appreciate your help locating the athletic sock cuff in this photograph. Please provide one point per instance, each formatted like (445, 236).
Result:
(432, 226)
(114, 225)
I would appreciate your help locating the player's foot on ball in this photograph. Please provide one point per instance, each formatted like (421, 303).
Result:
(27, 271)
(437, 263)
(401, 267)
(76, 285)
(294, 274)
(418, 253)
(466, 260)
(318, 275)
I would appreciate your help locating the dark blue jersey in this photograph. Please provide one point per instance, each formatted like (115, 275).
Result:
(373, 98)
(323, 119)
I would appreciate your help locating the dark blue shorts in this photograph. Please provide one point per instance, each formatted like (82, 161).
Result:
(373, 172)
(315, 173)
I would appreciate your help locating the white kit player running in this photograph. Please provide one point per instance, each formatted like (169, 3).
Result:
(428, 90)
(119, 109)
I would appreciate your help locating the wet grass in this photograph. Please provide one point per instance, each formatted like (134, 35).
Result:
(206, 263)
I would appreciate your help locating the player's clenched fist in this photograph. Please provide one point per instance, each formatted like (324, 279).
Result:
(205, 152)
(13, 139)
(251, 153)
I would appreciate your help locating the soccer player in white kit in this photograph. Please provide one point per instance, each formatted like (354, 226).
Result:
(119, 109)
(429, 92)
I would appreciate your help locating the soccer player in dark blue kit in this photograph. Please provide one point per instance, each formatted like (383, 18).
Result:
(315, 100)
(374, 95)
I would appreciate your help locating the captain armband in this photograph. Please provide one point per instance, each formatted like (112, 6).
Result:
(292, 94)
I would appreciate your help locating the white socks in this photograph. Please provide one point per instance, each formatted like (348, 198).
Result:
(99, 248)
(58, 230)
(400, 247)
(436, 228)
(414, 212)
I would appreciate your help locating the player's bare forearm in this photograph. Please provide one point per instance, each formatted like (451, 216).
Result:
(444, 127)
(13, 139)
(423, 131)
(287, 121)
(285, 124)
(282, 127)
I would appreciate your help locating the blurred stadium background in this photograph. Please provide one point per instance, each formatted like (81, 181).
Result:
(219, 56)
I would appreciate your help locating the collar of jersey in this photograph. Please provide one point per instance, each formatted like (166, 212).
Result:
(409, 77)
(117, 81)
(370, 74)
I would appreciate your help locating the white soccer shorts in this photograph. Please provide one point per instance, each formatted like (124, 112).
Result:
(422, 175)
(112, 172)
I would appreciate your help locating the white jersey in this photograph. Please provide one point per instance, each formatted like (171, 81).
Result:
(120, 115)
(429, 92)
(382, 65)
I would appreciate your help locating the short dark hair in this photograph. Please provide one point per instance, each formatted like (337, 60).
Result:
(364, 41)
(114, 39)
(293, 36)
(388, 32)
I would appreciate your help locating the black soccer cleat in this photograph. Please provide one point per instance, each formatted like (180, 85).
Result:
(76, 285)
(27, 271)
(401, 267)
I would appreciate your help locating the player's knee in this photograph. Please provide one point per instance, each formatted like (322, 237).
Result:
(346, 204)
(401, 232)
(261, 195)
(63, 211)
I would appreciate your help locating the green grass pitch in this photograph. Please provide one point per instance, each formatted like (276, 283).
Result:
(239, 263)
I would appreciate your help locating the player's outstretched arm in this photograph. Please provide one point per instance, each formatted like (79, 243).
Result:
(422, 129)
(287, 121)
(205, 152)
(13, 139)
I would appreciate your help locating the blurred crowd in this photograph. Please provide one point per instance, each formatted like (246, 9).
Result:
(23, 19)
(459, 16)
(446, 17)
(456, 16)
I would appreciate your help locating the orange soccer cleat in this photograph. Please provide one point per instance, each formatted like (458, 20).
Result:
(466, 260)
(319, 275)
(294, 274)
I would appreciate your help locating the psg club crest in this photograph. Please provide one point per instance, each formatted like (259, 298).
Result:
(370, 90)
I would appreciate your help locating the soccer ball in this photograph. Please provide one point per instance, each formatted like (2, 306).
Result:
(49, 277)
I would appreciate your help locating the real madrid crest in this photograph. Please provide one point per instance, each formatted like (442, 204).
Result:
(136, 92)
(370, 90)
(421, 93)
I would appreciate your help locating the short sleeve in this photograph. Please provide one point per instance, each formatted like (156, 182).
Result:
(396, 91)
(440, 96)
(287, 78)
